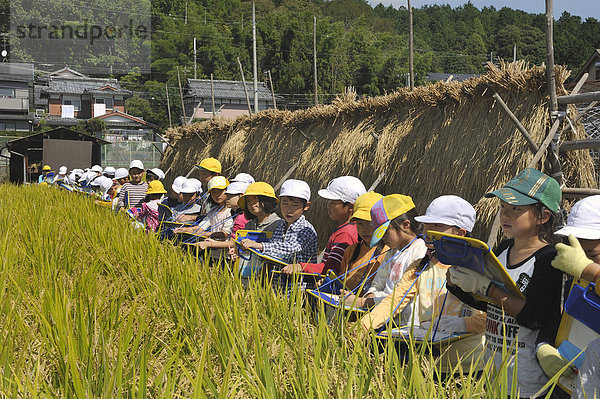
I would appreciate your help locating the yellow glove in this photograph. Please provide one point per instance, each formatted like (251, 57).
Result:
(550, 359)
(571, 259)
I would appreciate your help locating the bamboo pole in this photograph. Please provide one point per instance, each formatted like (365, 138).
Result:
(520, 127)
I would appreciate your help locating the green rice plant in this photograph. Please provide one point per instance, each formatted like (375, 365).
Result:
(92, 307)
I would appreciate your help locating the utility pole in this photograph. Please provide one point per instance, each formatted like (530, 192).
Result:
(212, 94)
(515, 52)
(411, 68)
(272, 89)
(245, 87)
(315, 59)
(185, 21)
(168, 105)
(254, 67)
(194, 58)
(181, 97)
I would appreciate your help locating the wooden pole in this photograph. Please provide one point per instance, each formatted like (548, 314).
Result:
(585, 144)
(550, 76)
(315, 59)
(520, 127)
(411, 69)
(376, 182)
(287, 175)
(580, 192)
(181, 97)
(254, 62)
(245, 88)
(552, 158)
(168, 106)
(212, 94)
(272, 89)
(579, 98)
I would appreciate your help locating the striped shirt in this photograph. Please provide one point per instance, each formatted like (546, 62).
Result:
(342, 237)
(132, 195)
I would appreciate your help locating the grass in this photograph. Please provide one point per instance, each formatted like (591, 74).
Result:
(91, 307)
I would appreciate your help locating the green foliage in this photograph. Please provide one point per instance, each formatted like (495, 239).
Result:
(92, 127)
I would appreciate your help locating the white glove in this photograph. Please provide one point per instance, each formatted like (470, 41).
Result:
(468, 280)
(449, 324)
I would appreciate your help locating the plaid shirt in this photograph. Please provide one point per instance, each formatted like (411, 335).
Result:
(293, 243)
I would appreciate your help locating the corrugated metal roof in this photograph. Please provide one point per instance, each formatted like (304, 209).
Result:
(70, 85)
(229, 89)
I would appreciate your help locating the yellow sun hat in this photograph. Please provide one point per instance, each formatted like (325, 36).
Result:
(258, 188)
(363, 205)
(210, 164)
(218, 182)
(156, 187)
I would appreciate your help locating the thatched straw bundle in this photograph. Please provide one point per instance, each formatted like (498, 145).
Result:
(444, 138)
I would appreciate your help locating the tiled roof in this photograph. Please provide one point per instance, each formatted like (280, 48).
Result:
(70, 85)
(229, 89)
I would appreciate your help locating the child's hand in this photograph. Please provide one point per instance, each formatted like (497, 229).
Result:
(449, 324)
(248, 243)
(233, 254)
(550, 359)
(202, 244)
(571, 259)
(291, 269)
(468, 280)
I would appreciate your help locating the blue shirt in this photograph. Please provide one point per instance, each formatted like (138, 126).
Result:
(293, 243)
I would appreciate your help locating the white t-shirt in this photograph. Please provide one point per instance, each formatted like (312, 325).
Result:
(394, 265)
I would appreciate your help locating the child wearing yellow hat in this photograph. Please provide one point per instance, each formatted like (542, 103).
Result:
(149, 212)
(360, 260)
(392, 217)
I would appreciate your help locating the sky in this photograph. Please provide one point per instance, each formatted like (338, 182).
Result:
(582, 8)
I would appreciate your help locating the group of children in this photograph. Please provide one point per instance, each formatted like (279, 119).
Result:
(387, 262)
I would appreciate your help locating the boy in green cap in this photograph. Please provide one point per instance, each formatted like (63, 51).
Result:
(528, 207)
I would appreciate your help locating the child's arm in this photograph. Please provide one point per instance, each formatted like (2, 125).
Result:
(294, 244)
(393, 304)
(334, 257)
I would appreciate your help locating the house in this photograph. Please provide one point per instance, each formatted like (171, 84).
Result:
(82, 97)
(230, 98)
(16, 95)
(56, 148)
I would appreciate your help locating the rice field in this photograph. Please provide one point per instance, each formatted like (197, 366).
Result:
(91, 307)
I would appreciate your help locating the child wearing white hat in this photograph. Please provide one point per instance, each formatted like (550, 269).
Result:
(580, 259)
(340, 194)
(189, 209)
(423, 285)
(132, 193)
(295, 240)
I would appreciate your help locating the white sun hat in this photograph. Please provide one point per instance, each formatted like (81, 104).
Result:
(178, 183)
(136, 163)
(121, 173)
(450, 210)
(243, 177)
(295, 188)
(343, 188)
(158, 172)
(584, 219)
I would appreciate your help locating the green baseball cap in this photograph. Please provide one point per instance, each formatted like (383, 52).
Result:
(529, 187)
